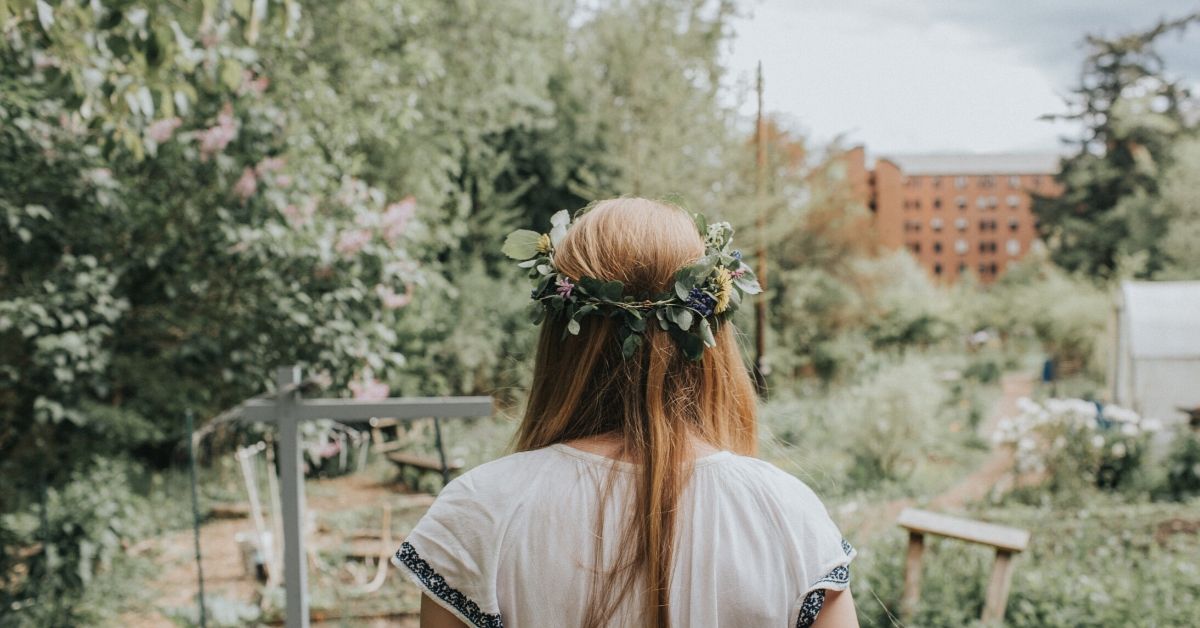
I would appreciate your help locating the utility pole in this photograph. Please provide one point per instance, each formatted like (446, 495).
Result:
(760, 305)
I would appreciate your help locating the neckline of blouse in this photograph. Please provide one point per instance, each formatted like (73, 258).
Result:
(625, 465)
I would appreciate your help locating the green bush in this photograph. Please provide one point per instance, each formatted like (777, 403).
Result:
(61, 547)
(1183, 465)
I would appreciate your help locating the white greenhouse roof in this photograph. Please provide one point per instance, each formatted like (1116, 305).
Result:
(1163, 318)
(976, 164)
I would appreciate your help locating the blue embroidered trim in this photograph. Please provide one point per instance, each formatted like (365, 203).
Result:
(437, 586)
(815, 600)
(809, 609)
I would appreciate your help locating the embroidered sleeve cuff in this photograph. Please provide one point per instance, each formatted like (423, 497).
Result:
(425, 576)
(836, 578)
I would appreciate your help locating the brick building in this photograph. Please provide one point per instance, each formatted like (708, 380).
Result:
(955, 213)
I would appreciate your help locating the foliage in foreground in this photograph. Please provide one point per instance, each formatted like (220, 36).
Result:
(1109, 563)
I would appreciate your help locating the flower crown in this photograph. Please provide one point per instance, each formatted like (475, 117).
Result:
(704, 293)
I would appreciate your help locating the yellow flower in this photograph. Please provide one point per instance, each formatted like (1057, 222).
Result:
(724, 282)
(543, 243)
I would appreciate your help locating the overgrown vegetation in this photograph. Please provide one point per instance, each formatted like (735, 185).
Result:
(193, 193)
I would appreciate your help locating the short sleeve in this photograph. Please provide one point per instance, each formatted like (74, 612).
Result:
(825, 557)
(452, 554)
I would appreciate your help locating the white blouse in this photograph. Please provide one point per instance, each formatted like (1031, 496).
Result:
(511, 542)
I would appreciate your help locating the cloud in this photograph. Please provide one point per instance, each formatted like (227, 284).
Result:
(935, 75)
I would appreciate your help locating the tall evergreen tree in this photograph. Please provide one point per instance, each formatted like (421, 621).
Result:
(1132, 111)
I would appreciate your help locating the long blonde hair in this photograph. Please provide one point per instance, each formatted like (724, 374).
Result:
(655, 402)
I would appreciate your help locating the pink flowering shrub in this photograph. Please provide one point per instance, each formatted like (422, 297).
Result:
(214, 139)
(246, 185)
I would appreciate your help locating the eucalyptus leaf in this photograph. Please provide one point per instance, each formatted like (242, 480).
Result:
(748, 283)
(611, 290)
(690, 344)
(682, 288)
(631, 344)
(706, 334)
(521, 244)
(681, 316)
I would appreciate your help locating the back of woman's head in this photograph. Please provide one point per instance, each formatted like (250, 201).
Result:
(657, 401)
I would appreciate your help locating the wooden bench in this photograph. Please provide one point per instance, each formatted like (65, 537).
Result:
(424, 464)
(1007, 541)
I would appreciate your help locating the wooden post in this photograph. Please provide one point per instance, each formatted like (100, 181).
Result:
(912, 575)
(760, 304)
(997, 590)
(291, 476)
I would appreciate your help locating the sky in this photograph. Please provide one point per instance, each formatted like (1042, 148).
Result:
(917, 76)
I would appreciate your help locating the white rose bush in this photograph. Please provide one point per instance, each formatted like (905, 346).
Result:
(1067, 441)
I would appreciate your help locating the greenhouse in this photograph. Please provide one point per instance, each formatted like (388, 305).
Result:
(1155, 369)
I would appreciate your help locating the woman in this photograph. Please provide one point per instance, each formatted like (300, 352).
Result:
(633, 499)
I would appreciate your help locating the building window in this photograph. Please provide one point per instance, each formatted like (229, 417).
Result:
(937, 269)
(1014, 182)
(962, 268)
(961, 247)
(981, 202)
(915, 247)
(1013, 200)
(961, 224)
(960, 182)
(1013, 224)
(983, 269)
(917, 204)
(936, 224)
(993, 202)
(937, 181)
(937, 203)
(992, 268)
(1013, 246)
(961, 202)
(987, 181)
(937, 247)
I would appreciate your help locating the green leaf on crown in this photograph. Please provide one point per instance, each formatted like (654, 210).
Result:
(611, 290)
(536, 312)
(636, 323)
(521, 244)
(701, 224)
(706, 334)
(681, 316)
(691, 344)
(747, 282)
(630, 345)
(573, 327)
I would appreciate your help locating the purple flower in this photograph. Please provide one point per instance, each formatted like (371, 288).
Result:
(736, 254)
(563, 287)
(701, 301)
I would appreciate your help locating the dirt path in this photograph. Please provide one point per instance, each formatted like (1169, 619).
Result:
(224, 576)
(974, 486)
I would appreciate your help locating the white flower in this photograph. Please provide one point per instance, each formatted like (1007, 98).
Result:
(1118, 450)
(1097, 441)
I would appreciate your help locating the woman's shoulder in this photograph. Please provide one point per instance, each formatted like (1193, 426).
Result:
(502, 474)
(764, 481)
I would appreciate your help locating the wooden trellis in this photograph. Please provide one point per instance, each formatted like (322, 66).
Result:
(287, 410)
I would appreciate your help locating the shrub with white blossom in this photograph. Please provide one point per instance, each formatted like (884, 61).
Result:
(1072, 440)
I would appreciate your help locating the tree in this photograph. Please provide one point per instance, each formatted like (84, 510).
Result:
(1131, 112)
